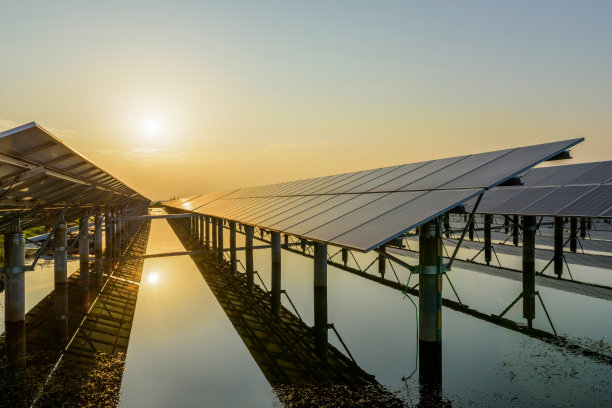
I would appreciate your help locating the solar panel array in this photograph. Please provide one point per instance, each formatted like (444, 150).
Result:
(365, 209)
(39, 175)
(575, 190)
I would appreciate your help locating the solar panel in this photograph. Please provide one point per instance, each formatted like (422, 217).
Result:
(362, 210)
(39, 174)
(493, 198)
(558, 199)
(522, 200)
(593, 204)
(570, 195)
(602, 173)
(565, 174)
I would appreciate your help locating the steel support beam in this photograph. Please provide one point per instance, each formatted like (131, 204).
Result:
(214, 233)
(220, 240)
(487, 237)
(276, 272)
(207, 232)
(558, 246)
(60, 293)
(320, 300)
(84, 259)
(232, 227)
(529, 236)
(14, 298)
(573, 234)
(248, 239)
(98, 250)
(430, 304)
(515, 230)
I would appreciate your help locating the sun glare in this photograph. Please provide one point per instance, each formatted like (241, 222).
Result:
(152, 127)
(153, 277)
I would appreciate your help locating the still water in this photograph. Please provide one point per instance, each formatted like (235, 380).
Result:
(185, 352)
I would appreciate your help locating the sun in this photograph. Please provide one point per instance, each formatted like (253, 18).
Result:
(152, 127)
(153, 277)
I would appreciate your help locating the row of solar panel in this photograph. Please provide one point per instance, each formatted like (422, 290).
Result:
(39, 175)
(365, 209)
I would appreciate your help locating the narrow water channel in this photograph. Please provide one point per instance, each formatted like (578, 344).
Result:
(184, 351)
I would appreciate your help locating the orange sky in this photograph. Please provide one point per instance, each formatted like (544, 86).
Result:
(185, 98)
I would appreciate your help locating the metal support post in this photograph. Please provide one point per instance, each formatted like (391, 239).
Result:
(60, 294)
(447, 227)
(471, 230)
(276, 273)
(573, 234)
(430, 304)
(344, 256)
(248, 240)
(108, 236)
(558, 247)
(529, 236)
(220, 240)
(487, 237)
(515, 230)
(382, 263)
(320, 301)
(506, 224)
(583, 227)
(98, 250)
(214, 233)
(14, 298)
(84, 259)
(207, 232)
(232, 225)
(201, 221)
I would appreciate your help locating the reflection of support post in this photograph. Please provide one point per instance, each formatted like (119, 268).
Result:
(60, 294)
(14, 298)
(558, 257)
(232, 225)
(84, 259)
(583, 227)
(98, 250)
(276, 272)
(430, 305)
(344, 256)
(207, 232)
(220, 240)
(214, 233)
(248, 241)
(573, 234)
(487, 237)
(529, 236)
(320, 300)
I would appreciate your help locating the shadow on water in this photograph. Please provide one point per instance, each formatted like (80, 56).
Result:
(78, 362)
(284, 347)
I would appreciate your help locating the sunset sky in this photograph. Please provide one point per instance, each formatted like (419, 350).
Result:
(178, 98)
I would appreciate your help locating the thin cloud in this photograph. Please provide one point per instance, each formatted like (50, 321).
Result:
(142, 154)
(293, 146)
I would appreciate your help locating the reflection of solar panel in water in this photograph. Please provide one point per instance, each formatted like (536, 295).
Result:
(593, 204)
(522, 200)
(556, 200)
